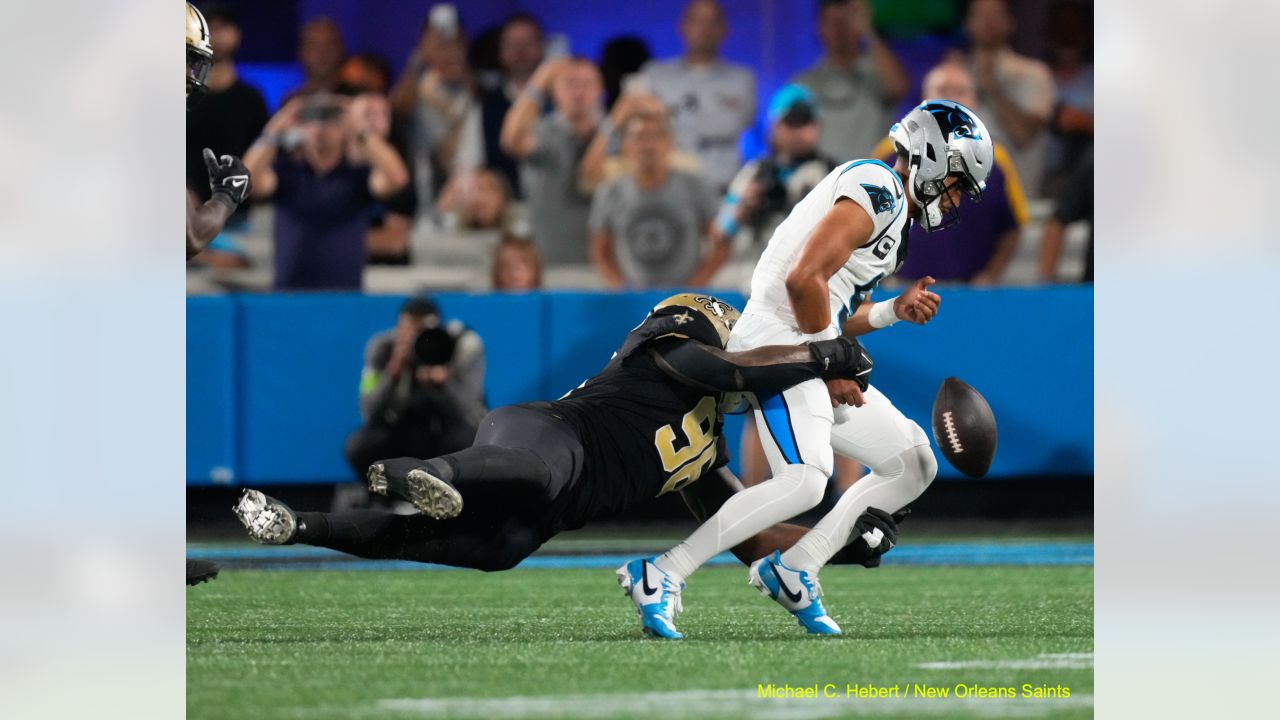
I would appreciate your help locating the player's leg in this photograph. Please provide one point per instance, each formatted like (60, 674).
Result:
(522, 458)
(490, 542)
(795, 428)
(902, 465)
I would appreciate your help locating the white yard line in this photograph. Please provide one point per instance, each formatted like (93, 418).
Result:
(1043, 661)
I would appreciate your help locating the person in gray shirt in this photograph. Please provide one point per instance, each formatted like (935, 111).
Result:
(652, 226)
(550, 148)
(858, 81)
(710, 101)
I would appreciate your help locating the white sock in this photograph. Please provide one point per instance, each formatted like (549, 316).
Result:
(891, 487)
(794, 490)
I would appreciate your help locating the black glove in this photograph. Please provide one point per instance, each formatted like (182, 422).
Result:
(843, 357)
(859, 551)
(227, 176)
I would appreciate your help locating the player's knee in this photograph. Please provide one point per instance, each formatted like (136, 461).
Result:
(508, 553)
(810, 483)
(919, 468)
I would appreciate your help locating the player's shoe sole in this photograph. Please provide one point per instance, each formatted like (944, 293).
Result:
(266, 519)
(432, 496)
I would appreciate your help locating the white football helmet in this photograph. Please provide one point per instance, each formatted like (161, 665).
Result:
(943, 139)
(199, 53)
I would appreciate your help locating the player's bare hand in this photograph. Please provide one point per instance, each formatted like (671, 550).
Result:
(918, 304)
(845, 392)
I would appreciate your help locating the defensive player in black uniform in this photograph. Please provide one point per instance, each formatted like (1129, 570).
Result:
(646, 425)
(229, 181)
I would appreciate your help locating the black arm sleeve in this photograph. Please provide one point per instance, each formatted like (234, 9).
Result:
(764, 370)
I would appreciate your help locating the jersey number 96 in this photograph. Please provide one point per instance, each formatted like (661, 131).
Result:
(687, 464)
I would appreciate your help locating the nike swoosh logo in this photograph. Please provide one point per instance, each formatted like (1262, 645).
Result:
(238, 181)
(792, 596)
(644, 581)
(864, 372)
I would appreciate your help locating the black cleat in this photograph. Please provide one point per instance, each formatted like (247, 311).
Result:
(199, 571)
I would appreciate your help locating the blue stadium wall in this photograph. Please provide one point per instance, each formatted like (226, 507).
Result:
(272, 380)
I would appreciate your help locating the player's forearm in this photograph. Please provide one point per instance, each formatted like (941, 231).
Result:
(763, 370)
(859, 323)
(808, 294)
(204, 222)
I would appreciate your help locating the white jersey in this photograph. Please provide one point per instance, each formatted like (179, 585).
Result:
(878, 190)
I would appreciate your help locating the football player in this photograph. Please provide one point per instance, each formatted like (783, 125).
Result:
(229, 181)
(646, 425)
(812, 282)
(228, 177)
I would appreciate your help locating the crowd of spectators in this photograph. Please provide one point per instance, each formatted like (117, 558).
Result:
(630, 167)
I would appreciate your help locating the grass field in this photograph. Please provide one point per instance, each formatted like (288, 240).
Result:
(566, 643)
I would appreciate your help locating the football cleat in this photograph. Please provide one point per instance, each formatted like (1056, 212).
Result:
(409, 479)
(795, 590)
(199, 571)
(268, 520)
(656, 595)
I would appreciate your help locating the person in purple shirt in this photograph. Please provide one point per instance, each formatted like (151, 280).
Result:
(978, 249)
(335, 165)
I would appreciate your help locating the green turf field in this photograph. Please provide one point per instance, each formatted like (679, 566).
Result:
(550, 643)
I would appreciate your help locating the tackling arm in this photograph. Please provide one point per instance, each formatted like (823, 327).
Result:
(764, 370)
(204, 222)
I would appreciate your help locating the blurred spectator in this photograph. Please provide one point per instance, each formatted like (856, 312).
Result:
(621, 56)
(550, 148)
(516, 267)
(520, 51)
(649, 227)
(391, 221)
(230, 114)
(365, 73)
(710, 101)
(1074, 205)
(437, 95)
(1071, 53)
(766, 189)
(421, 390)
(1015, 92)
(336, 163)
(858, 80)
(320, 52)
(475, 200)
(979, 249)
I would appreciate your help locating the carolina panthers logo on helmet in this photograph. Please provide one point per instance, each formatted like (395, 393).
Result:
(953, 120)
(881, 198)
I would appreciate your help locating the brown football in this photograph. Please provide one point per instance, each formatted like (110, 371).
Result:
(964, 427)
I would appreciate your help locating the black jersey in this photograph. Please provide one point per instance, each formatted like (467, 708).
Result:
(644, 433)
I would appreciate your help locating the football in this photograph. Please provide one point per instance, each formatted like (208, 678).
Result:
(964, 427)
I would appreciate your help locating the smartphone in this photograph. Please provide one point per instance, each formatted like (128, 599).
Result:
(558, 46)
(444, 18)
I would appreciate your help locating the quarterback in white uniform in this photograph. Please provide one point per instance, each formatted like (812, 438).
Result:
(812, 282)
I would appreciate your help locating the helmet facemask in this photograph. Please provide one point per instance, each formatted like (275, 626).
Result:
(198, 66)
(929, 194)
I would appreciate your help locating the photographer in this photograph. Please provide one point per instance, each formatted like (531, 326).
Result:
(765, 189)
(421, 391)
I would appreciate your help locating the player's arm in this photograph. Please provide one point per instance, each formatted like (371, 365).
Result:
(917, 305)
(705, 497)
(229, 182)
(764, 370)
(204, 222)
(845, 227)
